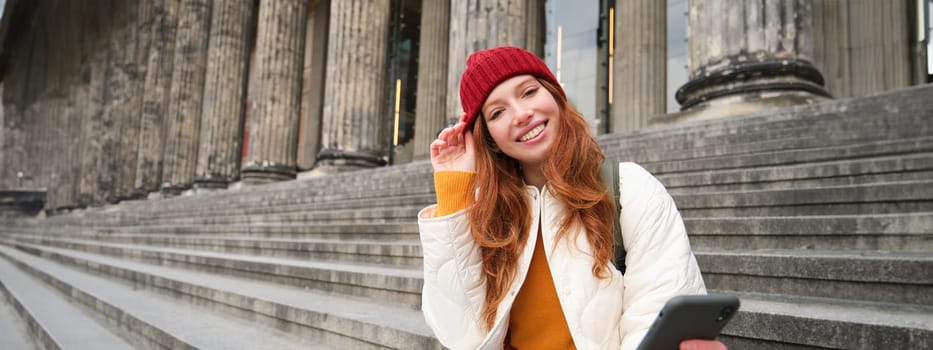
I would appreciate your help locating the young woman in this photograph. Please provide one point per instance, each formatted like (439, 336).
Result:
(518, 250)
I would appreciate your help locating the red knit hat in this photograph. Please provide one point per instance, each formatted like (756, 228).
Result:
(488, 68)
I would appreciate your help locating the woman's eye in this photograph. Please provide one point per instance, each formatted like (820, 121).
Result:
(531, 92)
(495, 114)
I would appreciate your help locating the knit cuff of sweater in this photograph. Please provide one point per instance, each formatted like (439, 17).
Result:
(454, 190)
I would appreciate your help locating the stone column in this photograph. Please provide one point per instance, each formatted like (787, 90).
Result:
(96, 34)
(155, 97)
(70, 133)
(224, 94)
(312, 93)
(639, 66)
(749, 55)
(15, 132)
(352, 136)
(477, 25)
(430, 108)
(117, 91)
(862, 47)
(140, 36)
(186, 95)
(536, 29)
(273, 118)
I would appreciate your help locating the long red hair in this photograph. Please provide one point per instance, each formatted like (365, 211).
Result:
(500, 219)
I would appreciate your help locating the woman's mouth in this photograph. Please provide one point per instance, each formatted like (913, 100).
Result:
(532, 133)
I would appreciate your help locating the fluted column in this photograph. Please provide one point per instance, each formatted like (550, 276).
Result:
(97, 31)
(155, 96)
(480, 24)
(536, 29)
(186, 95)
(862, 47)
(749, 55)
(312, 94)
(117, 91)
(224, 94)
(430, 107)
(352, 136)
(14, 131)
(67, 149)
(639, 67)
(273, 118)
(138, 40)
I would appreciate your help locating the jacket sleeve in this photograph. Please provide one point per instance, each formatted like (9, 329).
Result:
(454, 288)
(659, 262)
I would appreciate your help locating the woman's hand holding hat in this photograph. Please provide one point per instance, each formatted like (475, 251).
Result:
(453, 150)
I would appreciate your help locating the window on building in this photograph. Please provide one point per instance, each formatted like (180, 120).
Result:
(402, 79)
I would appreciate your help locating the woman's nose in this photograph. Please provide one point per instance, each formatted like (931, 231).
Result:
(522, 114)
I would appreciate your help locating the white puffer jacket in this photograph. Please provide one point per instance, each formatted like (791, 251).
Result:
(610, 313)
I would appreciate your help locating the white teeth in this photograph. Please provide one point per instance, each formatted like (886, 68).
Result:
(531, 134)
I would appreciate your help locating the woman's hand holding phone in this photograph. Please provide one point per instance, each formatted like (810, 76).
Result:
(699, 344)
(453, 150)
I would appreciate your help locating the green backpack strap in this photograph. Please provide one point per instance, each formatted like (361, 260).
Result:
(611, 178)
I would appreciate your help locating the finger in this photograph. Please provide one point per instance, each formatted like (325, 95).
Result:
(436, 147)
(468, 140)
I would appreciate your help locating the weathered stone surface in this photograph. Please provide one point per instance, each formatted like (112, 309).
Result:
(156, 90)
(352, 135)
(273, 117)
(430, 112)
(186, 95)
(749, 54)
(224, 93)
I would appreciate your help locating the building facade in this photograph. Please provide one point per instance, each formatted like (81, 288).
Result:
(110, 100)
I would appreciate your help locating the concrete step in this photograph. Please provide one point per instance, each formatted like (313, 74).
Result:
(374, 215)
(394, 231)
(785, 156)
(776, 137)
(385, 253)
(908, 232)
(156, 321)
(44, 319)
(396, 285)
(891, 277)
(12, 326)
(895, 197)
(250, 205)
(339, 321)
(781, 322)
(878, 117)
(898, 168)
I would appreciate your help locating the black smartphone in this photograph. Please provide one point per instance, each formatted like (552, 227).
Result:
(689, 317)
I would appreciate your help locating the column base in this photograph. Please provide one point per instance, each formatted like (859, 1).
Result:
(169, 191)
(729, 78)
(259, 174)
(211, 182)
(335, 161)
(737, 105)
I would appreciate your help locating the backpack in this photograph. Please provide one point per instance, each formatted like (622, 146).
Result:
(611, 178)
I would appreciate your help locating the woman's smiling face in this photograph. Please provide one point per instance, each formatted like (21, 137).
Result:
(523, 119)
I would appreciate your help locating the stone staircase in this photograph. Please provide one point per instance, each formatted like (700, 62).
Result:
(819, 217)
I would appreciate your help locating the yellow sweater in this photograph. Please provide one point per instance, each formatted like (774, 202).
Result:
(536, 320)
